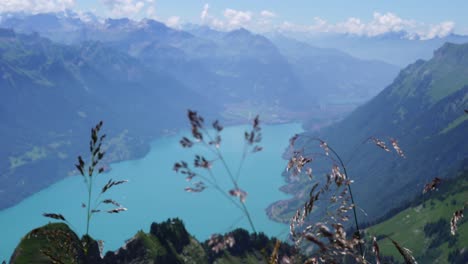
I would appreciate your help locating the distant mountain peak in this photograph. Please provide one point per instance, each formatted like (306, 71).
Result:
(450, 49)
(153, 26)
(240, 32)
(434, 79)
(116, 23)
(146, 22)
(243, 34)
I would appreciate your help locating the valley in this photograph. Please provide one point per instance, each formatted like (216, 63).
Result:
(342, 141)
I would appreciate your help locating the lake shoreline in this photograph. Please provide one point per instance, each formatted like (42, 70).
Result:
(138, 149)
(261, 178)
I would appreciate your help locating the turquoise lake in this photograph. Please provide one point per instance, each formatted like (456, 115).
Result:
(155, 192)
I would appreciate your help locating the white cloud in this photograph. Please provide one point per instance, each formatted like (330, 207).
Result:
(204, 14)
(209, 20)
(35, 6)
(231, 19)
(174, 22)
(236, 19)
(353, 25)
(379, 25)
(267, 14)
(264, 22)
(151, 12)
(389, 22)
(319, 25)
(441, 30)
(124, 8)
(86, 16)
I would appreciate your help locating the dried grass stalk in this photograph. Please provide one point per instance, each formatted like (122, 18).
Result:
(405, 253)
(456, 217)
(376, 250)
(54, 216)
(433, 185)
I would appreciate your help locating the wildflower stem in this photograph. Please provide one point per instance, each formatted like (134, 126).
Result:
(88, 218)
(241, 164)
(349, 189)
(197, 124)
(352, 199)
(218, 188)
(234, 182)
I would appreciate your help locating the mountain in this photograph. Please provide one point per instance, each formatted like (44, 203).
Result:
(236, 68)
(424, 110)
(245, 71)
(138, 76)
(395, 48)
(64, 26)
(250, 66)
(53, 93)
(229, 70)
(167, 242)
(334, 76)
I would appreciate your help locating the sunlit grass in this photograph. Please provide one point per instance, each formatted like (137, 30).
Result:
(407, 227)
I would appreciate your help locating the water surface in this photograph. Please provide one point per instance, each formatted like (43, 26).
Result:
(155, 192)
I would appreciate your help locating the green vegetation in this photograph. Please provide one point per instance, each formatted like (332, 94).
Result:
(412, 226)
(151, 244)
(437, 84)
(448, 83)
(68, 86)
(167, 242)
(448, 76)
(89, 170)
(405, 111)
(36, 153)
(455, 123)
(50, 242)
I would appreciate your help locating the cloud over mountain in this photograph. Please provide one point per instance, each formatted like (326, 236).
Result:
(35, 6)
(123, 8)
(260, 20)
(380, 24)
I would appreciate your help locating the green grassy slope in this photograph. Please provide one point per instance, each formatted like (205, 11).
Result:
(50, 242)
(411, 226)
(424, 110)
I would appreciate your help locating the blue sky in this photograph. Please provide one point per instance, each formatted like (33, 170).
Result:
(371, 17)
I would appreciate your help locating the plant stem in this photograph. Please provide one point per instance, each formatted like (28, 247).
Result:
(244, 154)
(349, 189)
(352, 200)
(233, 180)
(246, 212)
(218, 188)
(90, 187)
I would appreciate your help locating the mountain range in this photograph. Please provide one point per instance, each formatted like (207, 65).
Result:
(52, 94)
(62, 74)
(424, 109)
(227, 65)
(394, 47)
